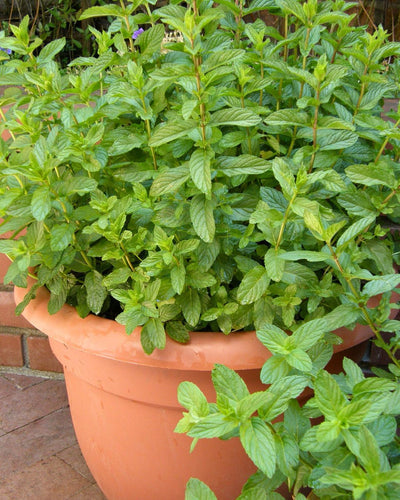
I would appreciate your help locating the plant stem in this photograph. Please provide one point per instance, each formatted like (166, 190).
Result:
(362, 90)
(304, 64)
(126, 257)
(148, 130)
(262, 76)
(315, 128)
(197, 62)
(2, 115)
(285, 56)
(364, 310)
(247, 129)
(382, 149)
(284, 222)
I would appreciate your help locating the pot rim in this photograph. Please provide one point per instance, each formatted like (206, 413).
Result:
(107, 338)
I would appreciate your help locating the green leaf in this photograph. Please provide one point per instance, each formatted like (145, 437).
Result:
(228, 383)
(314, 224)
(150, 40)
(274, 369)
(290, 117)
(354, 230)
(124, 141)
(383, 429)
(328, 396)
(382, 284)
(309, 333)
(242, 165)
(343, 315)
(61, 236)
(177, 331)
(254, 284)
(191, 398)
(207, 253)
(333, 122)
(105, 10)
(169, 181)
(202, 217)
(170, 131)
(222, 58)
(354, 414)
(336, 139)
(178, 275)
(369, 451)
(188, 108)
(280, 394)
(152, 335)
(197, 490)
(287, 452)
(354, 374)
(234, 116)
(41, 203)
(57, 300)
(200, 172)
(381, 254)
(50, 50)
(284, 176)
(191, 306)
(81, 185)
(8, 246)
(296, 423)
(295, 8)
(273, 198)
(186, 246)
(299, 359)
(273, 338)
(310, 442)
(251, 403)
(328, 431)
(374, 384)
(211, 426)
(307, 255)
(198, 279)
(117, 277)
(258, 442)
(95, 291)
(274, 265)
(372, 175)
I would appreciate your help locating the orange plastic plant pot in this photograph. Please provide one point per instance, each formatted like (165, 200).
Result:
(124, 403)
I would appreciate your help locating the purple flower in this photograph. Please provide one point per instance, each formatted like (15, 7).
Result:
(137, 33)
(9, 51)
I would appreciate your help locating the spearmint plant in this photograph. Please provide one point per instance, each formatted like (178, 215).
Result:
(235, 178)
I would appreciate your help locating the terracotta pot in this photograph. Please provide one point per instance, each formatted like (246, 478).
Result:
(124, 405)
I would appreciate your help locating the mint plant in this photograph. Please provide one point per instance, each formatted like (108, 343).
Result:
(220, 182)
(235, 178)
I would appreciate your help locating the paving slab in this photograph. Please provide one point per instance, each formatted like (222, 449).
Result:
(40, 458)
(22, 381)
(48, 479)
(91, 493)
(36, 441)
(73, 457)
(32, 403)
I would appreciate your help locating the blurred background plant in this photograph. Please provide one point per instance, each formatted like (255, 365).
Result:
(53, 19)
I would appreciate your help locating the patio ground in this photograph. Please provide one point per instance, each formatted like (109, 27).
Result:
(39, 455)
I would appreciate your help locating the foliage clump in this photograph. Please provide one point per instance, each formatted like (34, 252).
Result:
(235, 178)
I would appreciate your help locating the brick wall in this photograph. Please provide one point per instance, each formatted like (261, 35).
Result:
(22, 347)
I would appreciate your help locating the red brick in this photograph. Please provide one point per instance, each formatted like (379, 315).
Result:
(7, 312)
(11, 350)
(40, 355)
(4, 264)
